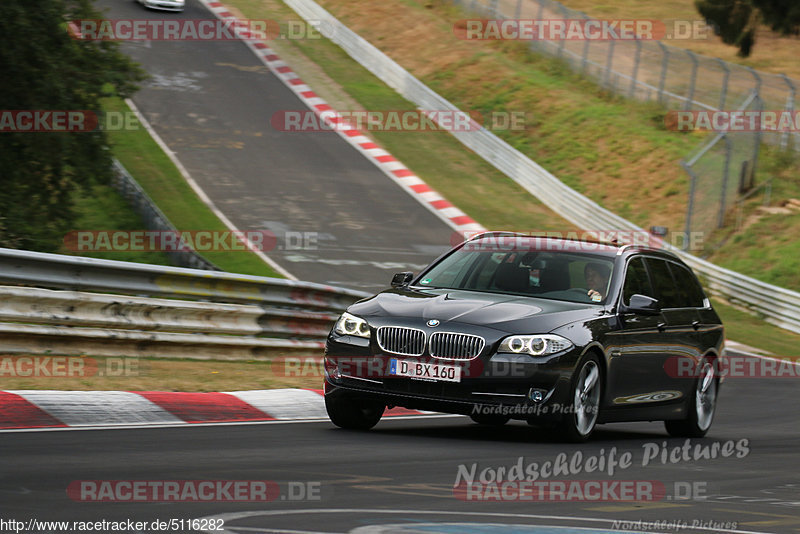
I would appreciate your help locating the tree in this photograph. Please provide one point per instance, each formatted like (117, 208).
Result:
(736, 21)
(45, 69)
(783, 16)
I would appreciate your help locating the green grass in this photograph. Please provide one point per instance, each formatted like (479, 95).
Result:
(742, 327)
(768, 249)
(163, 183)
(103, 208)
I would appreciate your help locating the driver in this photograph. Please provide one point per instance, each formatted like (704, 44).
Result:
(596, 275)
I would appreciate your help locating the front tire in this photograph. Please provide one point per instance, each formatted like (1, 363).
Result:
(351, 414)
(701, 408)
(586, 389)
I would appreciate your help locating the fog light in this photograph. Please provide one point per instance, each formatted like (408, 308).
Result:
(536, 395)
(332, 369)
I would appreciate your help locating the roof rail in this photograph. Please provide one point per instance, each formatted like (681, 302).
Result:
(481, 235)
(488, 233)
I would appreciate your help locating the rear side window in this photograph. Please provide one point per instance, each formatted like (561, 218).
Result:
(665, 287)
(691, 294)
(636, 281)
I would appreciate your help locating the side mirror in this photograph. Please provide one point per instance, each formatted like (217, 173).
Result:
(402, 279)
(642, 305)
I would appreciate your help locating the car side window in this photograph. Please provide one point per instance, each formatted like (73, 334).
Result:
(691, 293)
(636, 281)
(665, 287)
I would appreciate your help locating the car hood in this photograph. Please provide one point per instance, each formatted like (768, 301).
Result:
(509, 313)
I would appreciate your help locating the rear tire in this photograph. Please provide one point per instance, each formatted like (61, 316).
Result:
(352, 414)
(586, 389)
(701, 407)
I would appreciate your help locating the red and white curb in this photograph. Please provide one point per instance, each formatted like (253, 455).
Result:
(410, 182)
(30, 409)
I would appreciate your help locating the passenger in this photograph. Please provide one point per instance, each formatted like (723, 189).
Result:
(596, 275)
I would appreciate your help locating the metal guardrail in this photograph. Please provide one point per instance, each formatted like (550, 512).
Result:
(775, 304)
(104, 307)
(153, 217)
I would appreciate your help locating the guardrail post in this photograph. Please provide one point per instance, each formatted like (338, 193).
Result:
(538, 42)
(723, 95)
(690, 206)
(585, 53)
(759, 107)
(635, 72)
(724, 191)
(664, 64)
(789, 108)
(609, 60)
(693, 80)
(563, 42)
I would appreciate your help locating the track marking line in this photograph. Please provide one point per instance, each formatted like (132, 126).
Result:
(202, 194)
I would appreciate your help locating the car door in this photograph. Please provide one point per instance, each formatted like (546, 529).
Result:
(636, 348)
(686, 325)
(679, 336)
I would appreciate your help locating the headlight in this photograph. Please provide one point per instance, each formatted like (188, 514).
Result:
(351, 325)
(535, 345)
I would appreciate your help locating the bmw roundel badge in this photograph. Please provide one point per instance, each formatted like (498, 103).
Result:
(433, 323)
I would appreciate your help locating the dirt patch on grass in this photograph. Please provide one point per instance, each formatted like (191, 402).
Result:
(772, 52)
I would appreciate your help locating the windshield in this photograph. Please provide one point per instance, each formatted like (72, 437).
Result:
(574, 277)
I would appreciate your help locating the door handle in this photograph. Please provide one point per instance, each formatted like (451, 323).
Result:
(661, 326)
(696, 325)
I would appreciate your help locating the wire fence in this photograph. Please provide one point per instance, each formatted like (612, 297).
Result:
(723, 168)
(722, 173)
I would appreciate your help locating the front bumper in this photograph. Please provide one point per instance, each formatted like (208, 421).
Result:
(517, 386)
(164, 5)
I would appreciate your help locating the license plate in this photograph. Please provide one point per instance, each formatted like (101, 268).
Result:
(425, 371)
